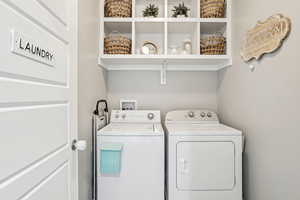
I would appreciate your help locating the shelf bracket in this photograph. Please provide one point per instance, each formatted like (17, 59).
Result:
(163, 73)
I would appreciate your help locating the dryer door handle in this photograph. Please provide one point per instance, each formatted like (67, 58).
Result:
(184, 167)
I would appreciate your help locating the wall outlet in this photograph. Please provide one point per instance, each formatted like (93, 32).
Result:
(128, 104)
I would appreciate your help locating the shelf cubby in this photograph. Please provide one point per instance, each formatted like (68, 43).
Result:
(140, 5)
(118, 28)
(152, 32)
(193, 5)
(179, 32)
(213, 28)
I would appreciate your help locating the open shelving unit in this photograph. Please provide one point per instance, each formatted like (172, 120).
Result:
(165, 31)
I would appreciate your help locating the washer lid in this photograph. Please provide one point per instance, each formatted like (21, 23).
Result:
(127, 129)
(202, 130)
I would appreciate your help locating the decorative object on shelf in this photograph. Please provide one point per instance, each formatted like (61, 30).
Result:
(118, 8)
(213, 45)
(265, 37)
(115, 43)
(187, 47)
(173, 50)
(151, 11)
(149, 48)
(213, 8)
(180, 11)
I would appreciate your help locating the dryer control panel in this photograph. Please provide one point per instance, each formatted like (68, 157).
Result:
(192, 116)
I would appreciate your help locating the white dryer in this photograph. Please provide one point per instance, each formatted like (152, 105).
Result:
(204, 157)
(131, 157)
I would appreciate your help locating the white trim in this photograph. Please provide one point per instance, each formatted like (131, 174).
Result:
(73, 80)
(161, 19)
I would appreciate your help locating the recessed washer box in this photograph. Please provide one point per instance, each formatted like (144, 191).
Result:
(128, 104)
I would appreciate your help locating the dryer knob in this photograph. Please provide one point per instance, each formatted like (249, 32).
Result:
(202, 114)
(150, 116)
(209, 115)
(191, 114)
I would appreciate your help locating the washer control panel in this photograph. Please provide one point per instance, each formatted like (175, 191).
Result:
(193, 116)
(135, 116)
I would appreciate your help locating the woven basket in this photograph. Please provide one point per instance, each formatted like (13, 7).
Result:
(117, 8)
(213, 45)
(115, 43)
(212, 8)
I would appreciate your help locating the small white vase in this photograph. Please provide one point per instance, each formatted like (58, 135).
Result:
(173, 50)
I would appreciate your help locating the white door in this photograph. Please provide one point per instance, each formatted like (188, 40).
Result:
(38, 106)
(204, 166)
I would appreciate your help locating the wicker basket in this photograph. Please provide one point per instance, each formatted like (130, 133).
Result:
(213, 45)
(115, 43)
(212, 8)
(118, 8)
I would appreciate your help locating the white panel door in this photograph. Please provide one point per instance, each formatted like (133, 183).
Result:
(38, 99)
(205, 166)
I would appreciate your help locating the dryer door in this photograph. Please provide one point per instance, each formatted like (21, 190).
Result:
(205, 166)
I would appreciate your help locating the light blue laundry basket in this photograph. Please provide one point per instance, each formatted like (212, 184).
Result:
(110, 158)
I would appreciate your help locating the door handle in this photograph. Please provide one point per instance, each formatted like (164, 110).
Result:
(184, 166)
(79, 145)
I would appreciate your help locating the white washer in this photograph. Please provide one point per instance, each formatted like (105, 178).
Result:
(142, 158)
(204, 157)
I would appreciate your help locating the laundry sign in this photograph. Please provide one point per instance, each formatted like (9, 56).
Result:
(266, 37)
(32, 49)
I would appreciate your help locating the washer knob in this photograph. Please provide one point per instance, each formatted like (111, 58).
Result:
(150, 116)
(117, 116)
(123, 116)
(209, 115)
(191, 114)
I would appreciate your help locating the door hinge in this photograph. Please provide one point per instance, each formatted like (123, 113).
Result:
(79, 145)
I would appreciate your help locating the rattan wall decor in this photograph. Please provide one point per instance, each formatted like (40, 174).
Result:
(265, 37)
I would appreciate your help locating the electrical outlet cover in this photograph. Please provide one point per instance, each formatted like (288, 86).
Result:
(128, 104)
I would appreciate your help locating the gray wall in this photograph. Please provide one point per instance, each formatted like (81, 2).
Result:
(265, 105)
(184, 90)
(91, 86)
